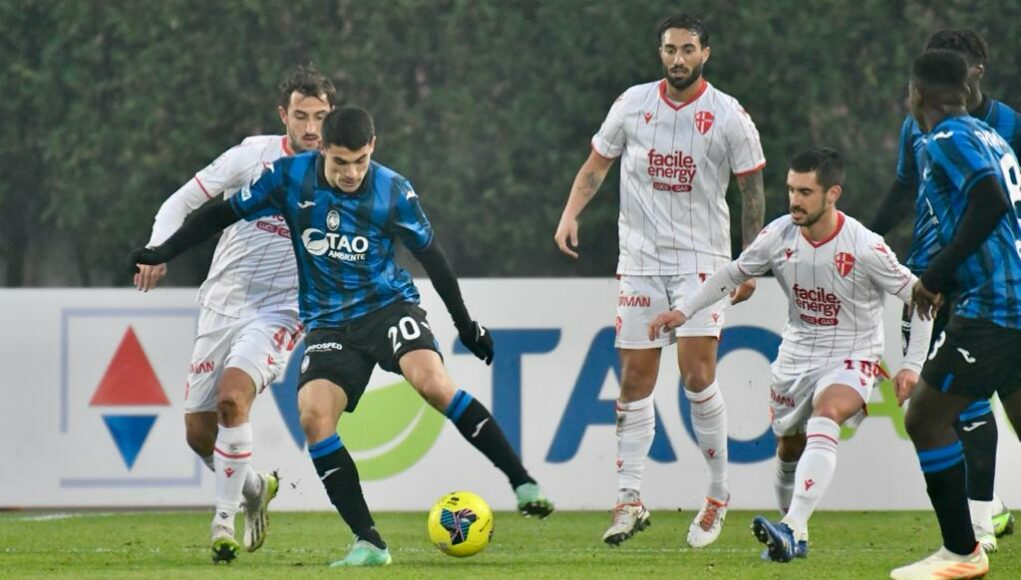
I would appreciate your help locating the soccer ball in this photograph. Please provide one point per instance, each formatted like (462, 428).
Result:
(461, 524)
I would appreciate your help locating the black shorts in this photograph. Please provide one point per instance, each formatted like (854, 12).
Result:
(347, 355)
(975, 358)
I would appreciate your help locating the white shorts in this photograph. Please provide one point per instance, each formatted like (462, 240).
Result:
(259, 345)
(792, 398)
(641, 298)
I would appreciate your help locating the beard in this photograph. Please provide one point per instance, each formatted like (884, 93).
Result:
(680, 84)
(806, 219)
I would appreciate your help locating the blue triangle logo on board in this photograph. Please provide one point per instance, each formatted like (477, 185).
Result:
(129, 432)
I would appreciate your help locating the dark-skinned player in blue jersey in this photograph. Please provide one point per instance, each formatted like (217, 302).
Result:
(971, 183)
(976, 426)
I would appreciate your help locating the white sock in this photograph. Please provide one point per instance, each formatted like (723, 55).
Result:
(998, 507)
(232, 455)
(208, 460)
(981, 516)
(783, 483)
(709, 418)
(253, 483)
(636, 427)
(814, 473)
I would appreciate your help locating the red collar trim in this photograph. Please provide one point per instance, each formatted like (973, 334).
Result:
(827, 239)
(286, 146)
(678, 106)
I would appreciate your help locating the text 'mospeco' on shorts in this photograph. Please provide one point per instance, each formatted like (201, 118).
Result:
(347, 355)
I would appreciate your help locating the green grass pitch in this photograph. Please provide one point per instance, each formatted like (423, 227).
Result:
(167, 545)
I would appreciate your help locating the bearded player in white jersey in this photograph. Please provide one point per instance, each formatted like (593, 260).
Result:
(836, 274)
(679, 140)
(248, 322)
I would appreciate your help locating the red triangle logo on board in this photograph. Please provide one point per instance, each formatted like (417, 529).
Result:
(129, 378)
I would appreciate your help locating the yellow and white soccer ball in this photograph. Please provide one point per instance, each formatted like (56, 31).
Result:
(461, 524)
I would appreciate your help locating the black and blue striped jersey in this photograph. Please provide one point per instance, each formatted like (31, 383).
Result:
(343, 242)
(959, 152)
(1000, 116)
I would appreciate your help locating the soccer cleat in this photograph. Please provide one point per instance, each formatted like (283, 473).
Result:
(257, 515)
(708, 523)
(778, 538)
(945, 564)
(988, 543)
(225, 547)
(628, 519)
(531, 501)
(1003, 523)
(800, 550)
(364, 554)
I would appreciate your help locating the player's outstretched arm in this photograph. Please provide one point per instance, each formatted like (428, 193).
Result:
(473, 335)
(586, 184)
(188, 198)
(203, 225)
(720, 284)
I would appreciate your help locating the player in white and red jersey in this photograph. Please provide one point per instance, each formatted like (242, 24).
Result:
(679, 139)
(836, 274)
(248, 323)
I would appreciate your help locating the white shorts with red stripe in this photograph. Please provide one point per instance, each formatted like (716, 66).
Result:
(259, 345)
(641, 298)
(792, 398)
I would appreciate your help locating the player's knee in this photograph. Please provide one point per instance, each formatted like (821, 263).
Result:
(317, 423)
(435, 387)
(698, 376)
(230, 408)
(636, 382)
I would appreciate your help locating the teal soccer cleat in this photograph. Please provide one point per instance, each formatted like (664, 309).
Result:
(364, 554)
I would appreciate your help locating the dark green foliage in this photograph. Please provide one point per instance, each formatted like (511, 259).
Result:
(486, 106)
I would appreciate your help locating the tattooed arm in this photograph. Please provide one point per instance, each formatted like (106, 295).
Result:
(753, 210)
(586, 184)
(753, 206)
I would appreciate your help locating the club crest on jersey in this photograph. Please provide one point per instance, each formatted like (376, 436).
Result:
(845, 263)
(333, 220)
(704, 121)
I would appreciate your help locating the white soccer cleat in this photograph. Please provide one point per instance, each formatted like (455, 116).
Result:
(628, 519)
(945, 564)
(988, 542)
(225, 547)
(257, 515)
(708, 523)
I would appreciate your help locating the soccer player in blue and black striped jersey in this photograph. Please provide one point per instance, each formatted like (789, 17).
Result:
(345, 214)
(970, 183)
(976, 426)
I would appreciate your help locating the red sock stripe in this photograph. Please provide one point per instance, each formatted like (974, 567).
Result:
(232, 455)
(703, 400)
(823, 435)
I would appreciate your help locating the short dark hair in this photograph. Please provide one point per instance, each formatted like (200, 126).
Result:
(692, 24)
(349, 127)
(825, 162)
(940, 68)
(965, 42)
(306, 80)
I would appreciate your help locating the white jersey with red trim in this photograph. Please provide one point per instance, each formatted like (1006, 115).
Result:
(836, 291)
(253, 269)
(676, 162)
